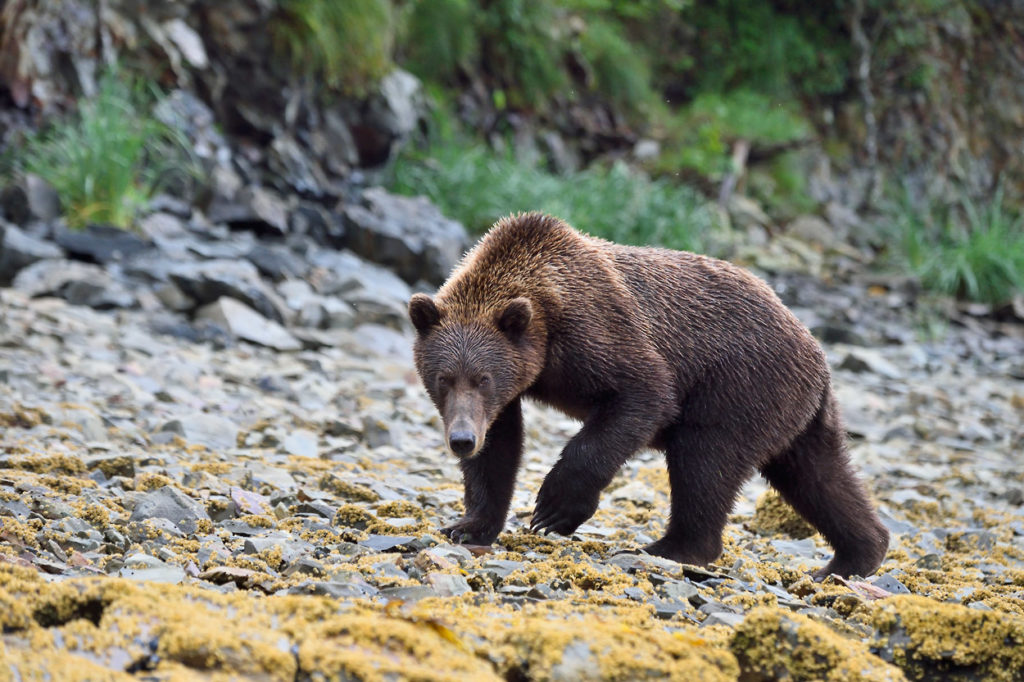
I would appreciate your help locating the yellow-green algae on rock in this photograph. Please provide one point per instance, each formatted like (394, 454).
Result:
(773, 515)
(935, 640)
(83, 629)
(773, 644)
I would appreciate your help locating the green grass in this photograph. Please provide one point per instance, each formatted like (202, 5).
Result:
(970, 250)
(107, 159)
(476, 186)
(699, 135)
(346, 43)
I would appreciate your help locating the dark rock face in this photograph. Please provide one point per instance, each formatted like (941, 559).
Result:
(100, 243)
(407, 234)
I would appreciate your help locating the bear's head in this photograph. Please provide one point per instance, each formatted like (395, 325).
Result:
(473, 366)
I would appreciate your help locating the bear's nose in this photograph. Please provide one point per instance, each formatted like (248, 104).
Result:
(461, 442)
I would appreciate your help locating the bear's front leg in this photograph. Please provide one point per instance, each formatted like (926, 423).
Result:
(489, 479)
(611, 434)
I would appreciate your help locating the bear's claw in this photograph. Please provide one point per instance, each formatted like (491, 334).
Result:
(472, 531)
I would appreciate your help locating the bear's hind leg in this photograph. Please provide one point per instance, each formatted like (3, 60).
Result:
(814, 475)
(707, 466)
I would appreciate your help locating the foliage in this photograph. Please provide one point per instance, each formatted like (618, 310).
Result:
(971, 250)
(523, 49)
(347, 43)
(777, 48)
(107, 159)
(700, 134)
(476, 186)
(620, 71)
(440, 37)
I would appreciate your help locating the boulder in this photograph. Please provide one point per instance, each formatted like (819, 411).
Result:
(409, 235)
(78, 283)
(100, 243)
(19, 250)
(244, 323)
(208, 281)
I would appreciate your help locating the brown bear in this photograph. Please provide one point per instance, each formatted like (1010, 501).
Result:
(649, 348)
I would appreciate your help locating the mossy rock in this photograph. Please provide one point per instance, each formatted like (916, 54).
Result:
(775, 644)
(774, 516)
(936, 640)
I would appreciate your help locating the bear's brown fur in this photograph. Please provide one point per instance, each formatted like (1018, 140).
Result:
(649, 348)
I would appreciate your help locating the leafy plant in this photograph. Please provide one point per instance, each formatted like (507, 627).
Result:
(620, 71)
(699, 135)
(970, 250)
(346, 42)
(477, 186)
(440, 36)
(108, 158)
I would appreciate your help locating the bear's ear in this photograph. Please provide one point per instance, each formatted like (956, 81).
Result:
(516, 316)
(423, 313)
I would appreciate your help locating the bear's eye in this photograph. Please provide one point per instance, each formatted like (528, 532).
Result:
(444, 382)
(484, 381)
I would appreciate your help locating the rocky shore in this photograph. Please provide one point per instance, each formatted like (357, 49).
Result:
(216, 461)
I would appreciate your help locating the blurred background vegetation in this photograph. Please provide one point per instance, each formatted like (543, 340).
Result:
(645, 121)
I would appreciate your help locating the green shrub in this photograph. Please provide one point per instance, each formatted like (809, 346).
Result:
(620, 71)
(439, 37)
(967, 250)
(346, 42)
(521, 49)
(699, 135)
(771, 47)
(107, 159)
(476, 186)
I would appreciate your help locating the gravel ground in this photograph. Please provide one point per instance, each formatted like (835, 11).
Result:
(181, 510)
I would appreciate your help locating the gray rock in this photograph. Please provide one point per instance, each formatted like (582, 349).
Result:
(371, 307)
(411, 593)
(171, 504)
(389, 116)
(448, 585)
(890, 583)
(214, 432)
(208, 281)
(19, 250)
(301, 442)
(296, 167)
(811, 228)
(277, 262)
(578, 662)
(866, 360)
(101, 243)
(162, 225)
(42, 199)
(726, 618)
(342, 272)
(146, 568)
(51, 277)
(409, 235)
(385, 543)
(338, 149)
(244, 323)
(254, 208)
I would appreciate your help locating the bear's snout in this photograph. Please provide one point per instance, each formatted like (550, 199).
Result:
(462, 443)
